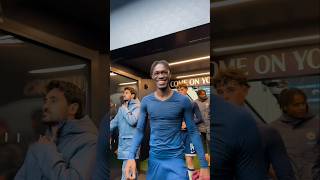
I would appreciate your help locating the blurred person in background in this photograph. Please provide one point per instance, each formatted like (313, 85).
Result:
(300, 132)
(189, 147)
(126, 121)
(203, 102)
(232, 85)
(235, 143)
(68, 149)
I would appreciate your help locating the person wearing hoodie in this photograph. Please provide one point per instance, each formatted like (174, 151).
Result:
(300, 132)
(204, 105)
(126, 120)
(67, 150)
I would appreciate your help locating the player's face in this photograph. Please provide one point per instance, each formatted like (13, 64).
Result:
(233, 92)
(161, 75)
(298, 107)
(127, 96)
(183, 91)
(55, 106)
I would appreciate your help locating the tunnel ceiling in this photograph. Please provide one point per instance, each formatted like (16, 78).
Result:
(84, 22)
(261, 20)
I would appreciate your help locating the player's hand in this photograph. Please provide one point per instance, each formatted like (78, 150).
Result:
(44, 140)
(131, 169)
(125, 104)
(204, 174)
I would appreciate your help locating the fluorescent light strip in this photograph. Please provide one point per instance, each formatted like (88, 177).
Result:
(227, 3)
(11, 41)
(193, 75)
(189, 60)
(266, 43)
(6, 37)
(58, 69)
(128, 83)
(113, 74)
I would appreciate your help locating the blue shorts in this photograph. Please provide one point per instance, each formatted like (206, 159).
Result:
(189, 149)
(167, 169)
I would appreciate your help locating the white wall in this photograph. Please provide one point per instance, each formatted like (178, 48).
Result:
(141, 20)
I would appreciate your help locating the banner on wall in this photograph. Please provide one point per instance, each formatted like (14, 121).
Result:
(198, 81)
(286, 62)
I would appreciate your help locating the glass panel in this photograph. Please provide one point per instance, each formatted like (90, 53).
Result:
(26, 69)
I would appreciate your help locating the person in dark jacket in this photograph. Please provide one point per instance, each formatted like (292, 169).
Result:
(235, 143)
(232, 85)
(68, 149)
(102, 165)
(300, 132)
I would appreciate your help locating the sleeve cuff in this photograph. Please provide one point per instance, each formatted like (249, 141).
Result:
(131, 156)
(204, 165)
